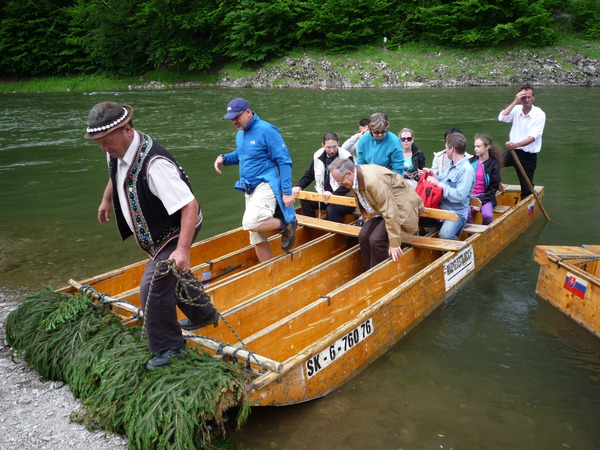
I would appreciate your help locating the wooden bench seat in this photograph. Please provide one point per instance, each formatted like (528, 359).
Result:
(432, 213)
(352, 230)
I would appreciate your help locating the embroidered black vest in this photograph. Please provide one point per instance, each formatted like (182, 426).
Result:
(153, 226)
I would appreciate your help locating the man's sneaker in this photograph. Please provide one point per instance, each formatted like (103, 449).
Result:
(187, 324)
(288, 235)
(163, 359)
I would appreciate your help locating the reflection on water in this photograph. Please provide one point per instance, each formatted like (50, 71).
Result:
(494, 367)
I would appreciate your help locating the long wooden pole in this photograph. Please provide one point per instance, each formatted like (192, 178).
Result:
(211, 344)
(529, 185)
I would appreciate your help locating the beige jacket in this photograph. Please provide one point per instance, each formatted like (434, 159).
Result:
(390, 197)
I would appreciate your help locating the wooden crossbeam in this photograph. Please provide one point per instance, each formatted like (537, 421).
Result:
(350, 201)
(473, 228)
(444, 245)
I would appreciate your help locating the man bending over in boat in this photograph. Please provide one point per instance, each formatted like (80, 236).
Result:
(390, 207)
(153, 201)
(324, 182)
(457, 180)
(265, 177)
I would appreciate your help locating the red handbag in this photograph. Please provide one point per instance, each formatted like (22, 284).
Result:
(430, 194)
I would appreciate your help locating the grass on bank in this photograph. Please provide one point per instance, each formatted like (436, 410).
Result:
(413, 62)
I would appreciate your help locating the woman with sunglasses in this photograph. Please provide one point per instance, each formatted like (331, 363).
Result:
(414, 159)
(380, 147)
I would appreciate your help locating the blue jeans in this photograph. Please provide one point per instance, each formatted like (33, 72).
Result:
(450, 229)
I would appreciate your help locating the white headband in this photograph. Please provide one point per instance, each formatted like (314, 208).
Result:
(110, 125)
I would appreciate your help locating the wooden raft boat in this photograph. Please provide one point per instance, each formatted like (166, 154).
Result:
(313, 318)
(569, 279)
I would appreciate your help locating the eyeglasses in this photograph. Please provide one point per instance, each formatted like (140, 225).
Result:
(406, 139)
(341, 179)
(238, 116)
(378, 132)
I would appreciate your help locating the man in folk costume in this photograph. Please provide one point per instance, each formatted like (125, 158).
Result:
(153, 201)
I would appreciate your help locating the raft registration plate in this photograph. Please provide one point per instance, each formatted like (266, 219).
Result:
(341, 346)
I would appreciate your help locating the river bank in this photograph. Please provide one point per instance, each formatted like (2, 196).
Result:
(569, 64)
(555, 66)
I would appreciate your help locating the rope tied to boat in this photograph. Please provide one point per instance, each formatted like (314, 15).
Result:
(105, 299)
(586, 259)
(190, 290)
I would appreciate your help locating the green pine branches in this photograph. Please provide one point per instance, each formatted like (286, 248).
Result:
(72, 339)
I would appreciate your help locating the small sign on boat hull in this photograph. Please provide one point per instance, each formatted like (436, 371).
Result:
(459, 267)
(338, 348)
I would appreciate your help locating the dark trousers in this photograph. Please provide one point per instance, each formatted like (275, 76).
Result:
(161, 324)
(374, 242)
(529, 163)
(335, 213)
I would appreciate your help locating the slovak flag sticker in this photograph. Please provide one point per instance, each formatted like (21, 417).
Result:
(575, 285)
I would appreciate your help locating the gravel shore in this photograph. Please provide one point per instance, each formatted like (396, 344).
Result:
(35, 412)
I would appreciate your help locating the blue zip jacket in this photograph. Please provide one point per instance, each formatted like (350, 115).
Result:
(263, 157)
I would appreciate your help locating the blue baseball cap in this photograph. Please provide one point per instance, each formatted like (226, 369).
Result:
(236, 106)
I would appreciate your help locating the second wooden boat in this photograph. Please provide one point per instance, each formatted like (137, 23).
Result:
(569, 279)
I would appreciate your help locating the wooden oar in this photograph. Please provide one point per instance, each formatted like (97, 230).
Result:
(350, 201)
(529, 185)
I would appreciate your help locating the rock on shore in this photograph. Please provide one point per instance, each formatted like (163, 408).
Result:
(551, 67)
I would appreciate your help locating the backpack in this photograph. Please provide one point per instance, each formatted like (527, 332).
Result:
(430, 194)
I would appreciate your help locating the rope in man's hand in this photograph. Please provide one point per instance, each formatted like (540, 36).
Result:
(189, 290)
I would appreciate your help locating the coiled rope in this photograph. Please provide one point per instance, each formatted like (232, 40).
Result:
(190, 290)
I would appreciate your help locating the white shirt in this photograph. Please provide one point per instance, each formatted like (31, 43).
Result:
(363, 201)
(163, 179)
(524, 126)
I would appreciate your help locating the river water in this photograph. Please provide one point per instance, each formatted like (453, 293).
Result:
(495, 367)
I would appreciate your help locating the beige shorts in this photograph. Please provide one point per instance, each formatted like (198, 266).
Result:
(260, 207)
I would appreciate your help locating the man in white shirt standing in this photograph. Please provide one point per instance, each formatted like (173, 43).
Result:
(153, 201)
(525, 137)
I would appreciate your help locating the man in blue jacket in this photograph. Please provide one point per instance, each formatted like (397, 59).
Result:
(265, 168)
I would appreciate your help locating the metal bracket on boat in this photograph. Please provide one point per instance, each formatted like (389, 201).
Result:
(223, 273)
(328, 299)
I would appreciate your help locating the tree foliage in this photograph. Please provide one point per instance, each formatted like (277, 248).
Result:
(480, 23)
(254, 31)
(32, 36)
(344, 25)
(61, 37)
